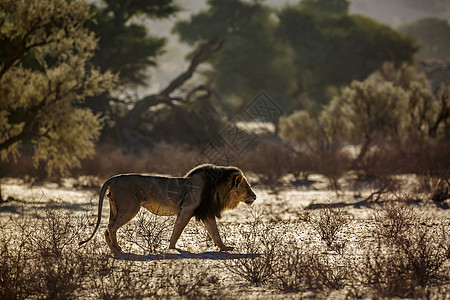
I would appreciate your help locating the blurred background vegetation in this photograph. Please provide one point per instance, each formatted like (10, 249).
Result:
(100, 87)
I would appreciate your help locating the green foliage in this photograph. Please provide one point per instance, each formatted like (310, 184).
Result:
(373, 108)
(251, 59)
(435, 6)
(40, 100)
(392, 106)
(321, 134)
(124, 46)
(309, 49)
(433, 36)
(325, 6)
(332, 50)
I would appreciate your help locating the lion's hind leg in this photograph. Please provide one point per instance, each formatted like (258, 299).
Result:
(118, 217)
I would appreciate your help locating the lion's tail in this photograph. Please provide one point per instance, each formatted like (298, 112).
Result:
(100, 206)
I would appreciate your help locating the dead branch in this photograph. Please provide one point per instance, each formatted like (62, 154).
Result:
(126, 128)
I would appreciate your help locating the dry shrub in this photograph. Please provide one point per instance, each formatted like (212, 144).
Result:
(409, 254)
(115, 279)
(39, 259)
(301, 165)
(328, 222)
(173, 159)
(333, 164)
(431, 164)
(273, 159)
(303, 268)
(270, 159)
(429, 160)
(181, 281)
(379, 162)
(393, 220)
(149, 232)
(382, 272)
(292, 271)
(289, 267)
(108, 160)
(14, 267)
(163, 158)
(425, 253)
(22, 167)
(376, 170)
(260, 244)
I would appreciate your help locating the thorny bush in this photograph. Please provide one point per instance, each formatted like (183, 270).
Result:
(259, 243)
(409, 255)
(149, 232)
(328, 222)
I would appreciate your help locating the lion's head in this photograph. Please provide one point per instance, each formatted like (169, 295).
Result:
(240, 191)
(224, 188)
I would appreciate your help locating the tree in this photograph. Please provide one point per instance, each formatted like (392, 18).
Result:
(251, 58)
(44, 78)
(320, 139)
(132, 129)
(434, 6)
(332, 49)
(325, 6)
(433, 36)
(394, 105)
(125, 46)
(394, 118)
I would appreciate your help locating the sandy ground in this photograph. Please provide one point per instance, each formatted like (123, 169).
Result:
(281, 212)
(285, 205)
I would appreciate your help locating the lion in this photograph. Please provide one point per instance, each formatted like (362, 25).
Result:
(204, 192)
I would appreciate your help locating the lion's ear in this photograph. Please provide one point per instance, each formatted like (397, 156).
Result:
(238, 179)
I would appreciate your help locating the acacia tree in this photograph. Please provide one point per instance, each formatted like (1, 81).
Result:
(251, 58)
(43, 80)
(393, 107)
(330, 47)
(125, 47)
(320, 138)
(433, 36)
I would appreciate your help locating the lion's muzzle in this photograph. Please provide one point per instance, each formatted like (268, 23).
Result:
(251, 199)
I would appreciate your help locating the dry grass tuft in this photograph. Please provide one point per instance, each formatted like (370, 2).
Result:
(403, 256)
(149, 232)
(328, 222)
(409, 255)
(260, 244)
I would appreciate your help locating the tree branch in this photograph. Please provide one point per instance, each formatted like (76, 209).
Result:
(200, 56)
(444, 113)
(132, 119)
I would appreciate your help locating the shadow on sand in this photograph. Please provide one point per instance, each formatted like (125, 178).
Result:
(184, 255)
(369, 204)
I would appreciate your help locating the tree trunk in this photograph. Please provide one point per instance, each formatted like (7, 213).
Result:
(126, 128)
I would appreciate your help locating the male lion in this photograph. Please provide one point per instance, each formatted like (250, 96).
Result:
(204, 192)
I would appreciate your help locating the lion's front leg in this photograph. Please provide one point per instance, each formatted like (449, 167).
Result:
(211, 226)
(182, 220)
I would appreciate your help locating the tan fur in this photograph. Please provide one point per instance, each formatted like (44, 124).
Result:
(205, 192)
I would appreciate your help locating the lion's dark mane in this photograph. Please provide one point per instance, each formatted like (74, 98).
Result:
(215, 179)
